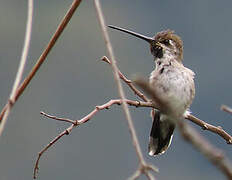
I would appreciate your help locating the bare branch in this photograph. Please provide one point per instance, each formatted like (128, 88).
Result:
(128, 82)
(58, 119)
(43, 56)
(104, 58)
(226, 109)
(85, 119)
(98, 108)
(65, 132)
(144, 170)
(205, 126)
(118, 82)
(136, 175)
(22, 64)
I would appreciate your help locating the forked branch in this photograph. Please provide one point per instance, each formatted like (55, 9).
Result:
(75, 123)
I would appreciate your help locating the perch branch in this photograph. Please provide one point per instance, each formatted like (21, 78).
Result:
(44, 54)
(205, 126)
(85, 119)
(11, 100)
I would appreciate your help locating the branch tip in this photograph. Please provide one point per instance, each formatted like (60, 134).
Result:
(104, 58)
(226, 109)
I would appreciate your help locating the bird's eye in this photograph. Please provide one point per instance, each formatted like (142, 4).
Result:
(166, 42)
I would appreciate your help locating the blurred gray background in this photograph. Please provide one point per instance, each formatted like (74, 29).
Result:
(73, 81)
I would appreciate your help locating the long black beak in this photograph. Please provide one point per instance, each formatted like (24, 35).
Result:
(140, 36)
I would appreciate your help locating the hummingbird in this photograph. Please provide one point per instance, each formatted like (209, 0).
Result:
(173, 83)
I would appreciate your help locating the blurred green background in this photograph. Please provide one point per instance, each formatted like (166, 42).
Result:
(73, 81)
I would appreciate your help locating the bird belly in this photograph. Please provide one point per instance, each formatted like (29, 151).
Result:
(174, 86)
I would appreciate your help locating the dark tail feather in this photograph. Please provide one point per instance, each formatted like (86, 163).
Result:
(161, 134)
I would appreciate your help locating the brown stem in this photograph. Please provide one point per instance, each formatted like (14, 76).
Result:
(21, 67)
(65, 132)
(43, 56)
(127, 81)
(205, 126)
(84, 120)
(58, 119)
(226, 109)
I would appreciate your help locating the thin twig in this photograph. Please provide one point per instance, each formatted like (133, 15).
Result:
(104, 58)
(44, 54)
(226, 109)
(65, 132)
(58, 119)
(119, 85)
(205, 126)
(135, 176)
(85, 119)
(22, 64)
(127, 81)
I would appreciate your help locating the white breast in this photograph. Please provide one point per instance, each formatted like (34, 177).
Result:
(175, 85)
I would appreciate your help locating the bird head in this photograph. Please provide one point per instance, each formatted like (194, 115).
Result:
(164, 43)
